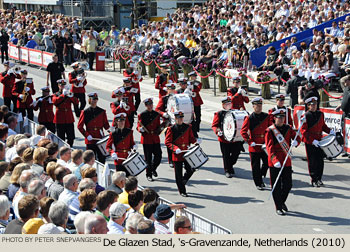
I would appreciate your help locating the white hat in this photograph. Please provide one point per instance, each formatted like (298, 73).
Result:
(117, 210)
(49, 228)
(312, 100)
(257, 100)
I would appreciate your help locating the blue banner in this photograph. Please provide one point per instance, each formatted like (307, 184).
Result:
(258, 55)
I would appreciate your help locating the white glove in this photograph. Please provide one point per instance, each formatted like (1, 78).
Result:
(79, 78)
(178, 151)
(40, 99)
(142, 130)
(316, 143)
(199, 141)
(220, 133)
(277, 165)
(240, 91)
(21, 96)
(111, 129)
(166, 115)
(27, 89)
(89, 138)
(332, 132)
(294, 143)
(65, 92)
(10, 71)
(114, 156)
(122, 104)
(165, 89)
(135, 147)
(190, 86)
(252, 144)
(244, 93)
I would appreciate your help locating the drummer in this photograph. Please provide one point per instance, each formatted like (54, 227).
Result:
(119, 106)
(178, 138)
(196, 87)
(162, 79)
(311, 132)
(239, 94)
(148, 124)
(280, 98)
(95, 119)
(277, 152)
(162, 110)
(123, 141)
(230, 150)
(256, 124)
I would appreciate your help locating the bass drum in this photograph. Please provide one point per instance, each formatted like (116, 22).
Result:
(180, 102)
(232, 125)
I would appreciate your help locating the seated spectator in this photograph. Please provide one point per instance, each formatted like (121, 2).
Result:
(88, 160)
(65, 156)
(135, 202)
(21, 147)
(40, 132)
(39, 157)
(27, 156)
(4, 212)
(28, 207)
(130, 187)
(149, 210)
(132, 222)
(24, 180)
(31, 44)
(50, 172)
(77, 160)
(91, 173)
(44, 142)
(88, 200)
(182, 225)
(49, 228)
(45, 204)
(56, 188)
(52, 149)
(5, 175)
(118, 182)
(95, 224)
(11, 153)
(14, 180)
(79, 221)
(146, 227)
(104, 201)
(32, 226)
(3, 134)
(12, 124)
(117, 213)
(70, 183)
(37, 188)
(162, 215)
(58, 215)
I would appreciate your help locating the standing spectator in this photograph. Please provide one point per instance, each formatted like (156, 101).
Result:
(292, 87)
(90, 46)
(68, 49)
(117, 214)
(47, 41)
(70, 184)
(4, 212)
(4, 39)
(56, 188)
(58, 42)
(162, 215)
(55, 71)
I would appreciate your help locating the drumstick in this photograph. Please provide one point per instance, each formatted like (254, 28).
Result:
(96, 139)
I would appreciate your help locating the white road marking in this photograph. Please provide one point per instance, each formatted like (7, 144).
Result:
(317, 229)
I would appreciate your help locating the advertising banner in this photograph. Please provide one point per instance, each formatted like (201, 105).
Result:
(35, 57)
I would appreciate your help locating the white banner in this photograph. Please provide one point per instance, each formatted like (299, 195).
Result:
(13, 52)
(35, 57)
(23, 54)
(47, 58)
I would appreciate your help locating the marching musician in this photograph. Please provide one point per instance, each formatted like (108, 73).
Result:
(239, 94)
(44, 104)
(95, 119)
(148, 125)
(23, 90)
(256, 124)
(135, 77)
(129, 94)
(64, 119)
(8, 79)
(78, 82)
(230, 150)
(279, 138)
(196, 87)
(311, 131)
(162, 79)
(178, 138)
(123, 141)
(162, 110)
(119, 106)
(280, 98)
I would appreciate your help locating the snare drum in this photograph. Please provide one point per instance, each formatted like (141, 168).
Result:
(180, 102)
(101, 144)
(135, 164)
(232, 125)
(195, 157)
(330, 146)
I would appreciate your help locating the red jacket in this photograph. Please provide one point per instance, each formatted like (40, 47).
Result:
(197, 99)
(274, 149)
(161, 82)
(134, 79)
(123, 141)
(95, 119)
(46, 110)
(17, 90)
(238, 100)
(116, 109)
(162, 105)
(64, 114)
(74, 81)
(256, 124)
(313, 127)
(8, 80)
(179, 137)
(151, 122)
(290, 119)
(217, 124)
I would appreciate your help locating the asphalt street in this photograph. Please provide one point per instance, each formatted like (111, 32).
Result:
(235, 203)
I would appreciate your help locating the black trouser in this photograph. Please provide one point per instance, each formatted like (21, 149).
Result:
(82, 103)
(315, 162)
(59, 53)
(257, 170)
(54, 86)
(170, 153)
(4, 51)
(98, 154)
(197, 121)
(178, 165)
(27, 112)
(50, 126)
(131, 119)
(153, 156)
(8, 100)
(283, 186)
(91, 58)
(230, 153)
(122, 168)
(64, 129)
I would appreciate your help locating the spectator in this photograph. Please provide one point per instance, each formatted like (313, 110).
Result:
(135, 202)
(12, 124)
(118, 182)
(79, 221)
(88, 200)
(91, 173)
(32, 226)
(31, 44)
(130, 187)
(14, 180)
(65, 156)
(39, 156)
(292, 87)
(37, 188)
(104, 201)
(56, 188)
(46, 40)
(52, 149)
(5, 179)
(95, 224)
(49, 228)
(68, 49)
(3, 133)
(50, 171)
(182, 225)
(11, 152)
(117, 213)
(90, 46)
(4, 212)
(45, 204)
(162, 215)
(58, 215)
(24, 180)
(70, 183)
(132, 222)
(88, 159)
(149, 210)
(145, 227)
(77, 160)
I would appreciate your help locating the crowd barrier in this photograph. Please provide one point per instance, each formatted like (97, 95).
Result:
(30, 56)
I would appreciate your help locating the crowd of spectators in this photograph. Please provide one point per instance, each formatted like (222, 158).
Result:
(49, 190)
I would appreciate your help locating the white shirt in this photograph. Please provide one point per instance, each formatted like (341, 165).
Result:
(19, 196)
(67, 196)
(114, 228)
(72, 167)
(62, 162)
(11, 154)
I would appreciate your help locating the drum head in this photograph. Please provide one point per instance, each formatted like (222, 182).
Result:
(229, 126)
(327, 140)
(102, 140)
(180, 102)
(191, 150)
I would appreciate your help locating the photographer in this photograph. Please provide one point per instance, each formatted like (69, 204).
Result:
(308, 89)
(4, 39)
